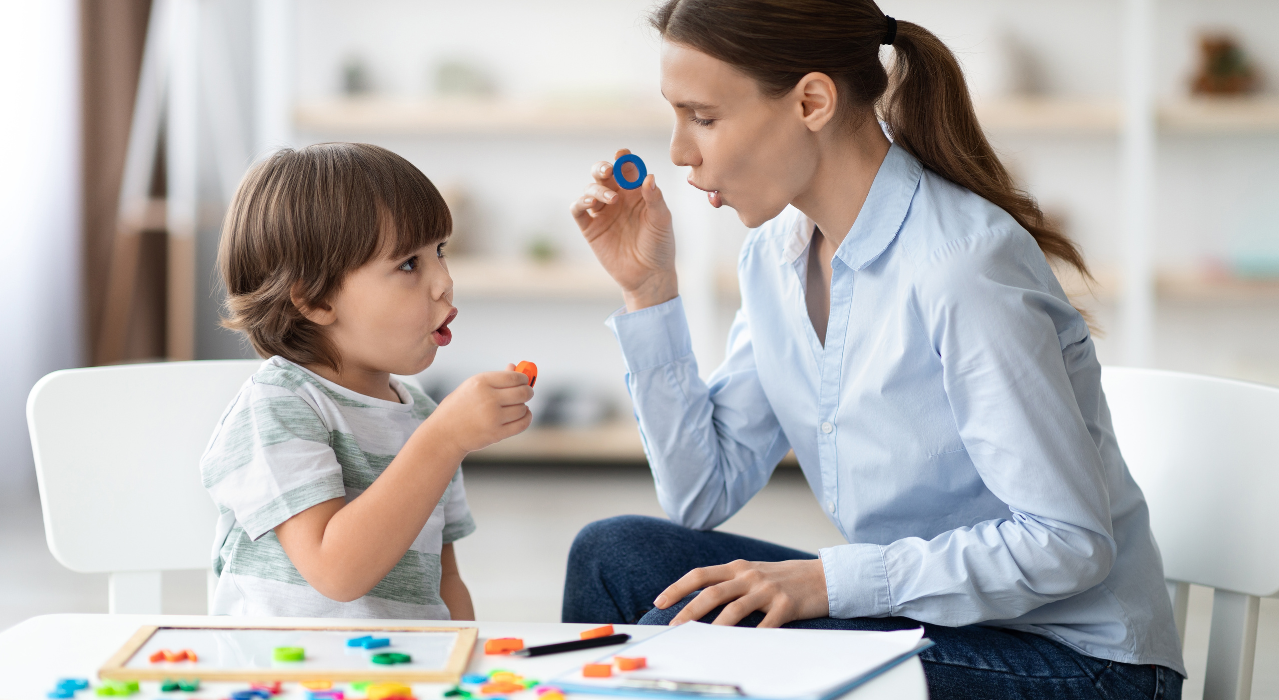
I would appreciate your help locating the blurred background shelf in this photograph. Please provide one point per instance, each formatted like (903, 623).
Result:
(617, 441)
(502, 278)
(434, 117)
(1049, 115)
(1104, 288)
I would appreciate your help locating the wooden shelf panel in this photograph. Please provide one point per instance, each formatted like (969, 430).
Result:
(613, 442)
(1176, 286)
(1050, 115)
(481, 117)
(1044, 115)
(488, 278)
(1170, 285)
(1035, 115)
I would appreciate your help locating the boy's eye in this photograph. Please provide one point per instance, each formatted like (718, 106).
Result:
(409, 265)
(702, 122)
(439, 250)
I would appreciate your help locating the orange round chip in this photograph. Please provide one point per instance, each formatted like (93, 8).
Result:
(528, 369)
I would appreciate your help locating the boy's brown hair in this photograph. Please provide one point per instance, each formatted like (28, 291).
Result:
(300, 221)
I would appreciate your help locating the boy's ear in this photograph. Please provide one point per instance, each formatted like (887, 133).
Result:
(320, 314)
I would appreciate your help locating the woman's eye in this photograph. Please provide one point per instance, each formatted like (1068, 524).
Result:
(439, 250)
(409, 265)
(702, 122)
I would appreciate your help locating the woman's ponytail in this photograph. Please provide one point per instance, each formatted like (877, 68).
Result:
(929, 113)
(925, 102)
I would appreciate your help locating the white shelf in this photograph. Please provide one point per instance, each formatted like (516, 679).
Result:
(1049, 115)
(496, 278)
(482, 117)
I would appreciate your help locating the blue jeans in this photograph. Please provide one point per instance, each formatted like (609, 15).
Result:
(618, 566)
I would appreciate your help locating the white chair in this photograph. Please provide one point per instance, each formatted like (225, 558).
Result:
(117, 452)
(1203, 451)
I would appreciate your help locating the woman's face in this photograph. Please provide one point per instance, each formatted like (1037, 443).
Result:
(753, 153)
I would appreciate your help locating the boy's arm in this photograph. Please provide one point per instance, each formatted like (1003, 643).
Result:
(452, 588)
(344, 549)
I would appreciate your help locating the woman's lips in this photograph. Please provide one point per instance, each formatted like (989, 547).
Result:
(712, 196)
(442, 335)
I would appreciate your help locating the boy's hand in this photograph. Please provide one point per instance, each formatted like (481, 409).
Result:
(485, 409)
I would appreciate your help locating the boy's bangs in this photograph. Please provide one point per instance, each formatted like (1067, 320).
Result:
(412, 212)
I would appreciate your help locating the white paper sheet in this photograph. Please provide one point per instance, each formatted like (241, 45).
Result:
(764, 663)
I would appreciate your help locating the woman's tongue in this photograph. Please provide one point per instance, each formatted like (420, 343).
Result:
(714, 198)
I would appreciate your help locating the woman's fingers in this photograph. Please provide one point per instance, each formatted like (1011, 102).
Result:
(709, 599)
(740, 608)
(692, 581)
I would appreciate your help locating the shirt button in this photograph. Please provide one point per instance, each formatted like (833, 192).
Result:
(830, 505)
(827, 427)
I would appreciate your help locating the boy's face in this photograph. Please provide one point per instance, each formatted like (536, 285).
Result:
(392, 314)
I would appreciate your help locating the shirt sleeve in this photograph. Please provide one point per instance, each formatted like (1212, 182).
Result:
(270, 459)
(458, 522)
(1001, 327)
(711, 445)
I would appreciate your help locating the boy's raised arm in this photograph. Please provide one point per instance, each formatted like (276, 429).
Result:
(344, 549)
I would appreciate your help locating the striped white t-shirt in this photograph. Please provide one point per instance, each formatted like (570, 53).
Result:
(290, 440)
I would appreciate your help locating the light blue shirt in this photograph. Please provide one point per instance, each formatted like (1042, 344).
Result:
(953, 427)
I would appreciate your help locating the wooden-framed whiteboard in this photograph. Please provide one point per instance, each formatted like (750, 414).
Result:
(439, 654)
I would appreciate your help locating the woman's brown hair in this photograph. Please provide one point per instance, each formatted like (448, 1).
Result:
(300, 221)
(924, 101)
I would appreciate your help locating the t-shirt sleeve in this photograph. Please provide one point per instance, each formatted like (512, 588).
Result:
(458, 522)
(270, 459)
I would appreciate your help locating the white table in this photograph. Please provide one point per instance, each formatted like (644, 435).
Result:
(35, 653)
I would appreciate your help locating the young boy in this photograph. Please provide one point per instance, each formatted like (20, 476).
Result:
(339, 485)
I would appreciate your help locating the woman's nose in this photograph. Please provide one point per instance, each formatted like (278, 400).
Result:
(683, 152)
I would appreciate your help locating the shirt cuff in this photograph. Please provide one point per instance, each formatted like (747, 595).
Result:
(653, 336)
(856, 581)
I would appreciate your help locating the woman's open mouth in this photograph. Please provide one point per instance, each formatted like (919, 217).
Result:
(711, 195)
(442, 335)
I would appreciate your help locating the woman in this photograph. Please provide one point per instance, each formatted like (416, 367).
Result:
(901, 329)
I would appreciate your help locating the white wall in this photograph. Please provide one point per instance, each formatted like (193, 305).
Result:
(40, 258)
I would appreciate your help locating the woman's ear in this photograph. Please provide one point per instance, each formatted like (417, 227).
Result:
(320, 314)
(818, 100)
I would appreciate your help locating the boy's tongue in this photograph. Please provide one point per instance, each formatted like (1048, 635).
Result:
(442, 336)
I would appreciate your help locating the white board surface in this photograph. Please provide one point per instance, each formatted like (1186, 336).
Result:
(326, 650)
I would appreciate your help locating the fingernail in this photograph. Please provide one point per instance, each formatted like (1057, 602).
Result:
(660, 601)
(609, 197)
(589, 200)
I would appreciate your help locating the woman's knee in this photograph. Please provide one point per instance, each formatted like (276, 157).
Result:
(608, 536)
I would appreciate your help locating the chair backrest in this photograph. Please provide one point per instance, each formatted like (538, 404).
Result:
(1203, 451)
(117, 453)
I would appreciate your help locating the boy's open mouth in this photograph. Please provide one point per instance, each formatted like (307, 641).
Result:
(442, 335)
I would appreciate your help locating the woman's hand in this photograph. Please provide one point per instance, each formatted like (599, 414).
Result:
(630, 232)
(782, 590)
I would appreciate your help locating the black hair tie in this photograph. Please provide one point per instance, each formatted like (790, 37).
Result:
(891, 35)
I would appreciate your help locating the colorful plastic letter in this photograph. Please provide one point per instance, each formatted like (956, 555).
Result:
(358, 641)
(503, 645)
(289, 654)
(597, 670)
(528, 369)
(604, 631)
(630, 663)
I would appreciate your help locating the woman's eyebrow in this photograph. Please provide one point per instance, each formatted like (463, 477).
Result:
(691, 104)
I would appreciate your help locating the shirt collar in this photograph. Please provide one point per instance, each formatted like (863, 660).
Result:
(880, 218)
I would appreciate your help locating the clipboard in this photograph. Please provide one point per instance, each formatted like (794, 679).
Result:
(699, 661)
